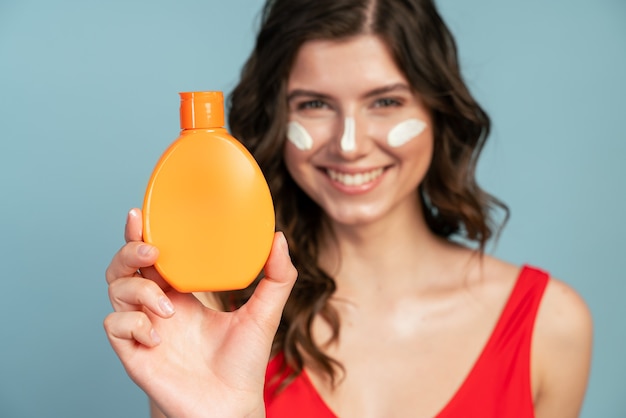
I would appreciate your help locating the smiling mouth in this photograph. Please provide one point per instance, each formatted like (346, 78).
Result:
(357, 179)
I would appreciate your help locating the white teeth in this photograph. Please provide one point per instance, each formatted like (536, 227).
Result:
(355, 179)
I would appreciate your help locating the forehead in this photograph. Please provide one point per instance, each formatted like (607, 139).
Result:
(362, 61)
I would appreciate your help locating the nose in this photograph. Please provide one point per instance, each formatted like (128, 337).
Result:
(348, 140)
(352, 144)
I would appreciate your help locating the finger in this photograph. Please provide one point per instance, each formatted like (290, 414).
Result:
(133, 230)
(134, 293)
(124, 329)
(129, 259)
(151, 273)
(270, 296)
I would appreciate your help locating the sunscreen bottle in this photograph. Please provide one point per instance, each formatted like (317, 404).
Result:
(207, 207)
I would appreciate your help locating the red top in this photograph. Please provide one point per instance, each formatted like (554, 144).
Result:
(498, 386)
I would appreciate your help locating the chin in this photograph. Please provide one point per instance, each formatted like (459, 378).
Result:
(353, 217)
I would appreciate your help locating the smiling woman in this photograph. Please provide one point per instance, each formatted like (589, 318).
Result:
(357, 114)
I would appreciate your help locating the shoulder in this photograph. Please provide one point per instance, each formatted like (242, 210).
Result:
(562, 343)
(563, 315)
(563, 319)
(564, 323)
(563, 327)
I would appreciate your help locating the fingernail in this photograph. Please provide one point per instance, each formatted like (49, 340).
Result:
(144, 250)
(155, 336)
(131, 214)
(166, 306)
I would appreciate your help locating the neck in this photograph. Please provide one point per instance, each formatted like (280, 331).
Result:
(393, 253)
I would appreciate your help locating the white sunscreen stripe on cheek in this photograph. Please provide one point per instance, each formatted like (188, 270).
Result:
(298, 136)
(405, 131)
(348, 142)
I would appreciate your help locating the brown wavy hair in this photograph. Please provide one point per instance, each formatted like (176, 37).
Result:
(425, 51)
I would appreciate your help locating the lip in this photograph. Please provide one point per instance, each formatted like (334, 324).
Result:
(353, 189)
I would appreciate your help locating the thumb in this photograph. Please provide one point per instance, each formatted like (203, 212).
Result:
(272, 292)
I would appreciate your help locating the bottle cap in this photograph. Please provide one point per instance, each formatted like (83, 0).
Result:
(201, 110)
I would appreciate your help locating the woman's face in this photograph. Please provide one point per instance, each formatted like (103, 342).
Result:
(359, 141)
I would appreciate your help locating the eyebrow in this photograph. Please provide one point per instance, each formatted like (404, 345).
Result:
(375, 92)
(387, 89)
(306, 93)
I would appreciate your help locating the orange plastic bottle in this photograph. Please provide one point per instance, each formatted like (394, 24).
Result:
(207, 207)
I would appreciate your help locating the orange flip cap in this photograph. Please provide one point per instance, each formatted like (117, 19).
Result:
(201, 109)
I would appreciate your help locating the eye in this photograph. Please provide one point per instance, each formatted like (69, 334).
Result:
(311, 104)
(387, 102)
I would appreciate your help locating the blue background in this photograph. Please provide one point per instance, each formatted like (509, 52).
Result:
(88, 102)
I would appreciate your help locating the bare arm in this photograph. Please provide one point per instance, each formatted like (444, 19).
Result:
(562, 344)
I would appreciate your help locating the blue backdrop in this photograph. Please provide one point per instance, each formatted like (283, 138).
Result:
(88, 102)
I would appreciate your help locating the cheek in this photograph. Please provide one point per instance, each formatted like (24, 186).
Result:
(298, 166)
(394, 134)
(297, 161)
(405, 131)
(293, 156)
(307, 136)
(299, 136)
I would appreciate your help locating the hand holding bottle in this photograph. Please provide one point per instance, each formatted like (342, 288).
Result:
(192, 360)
